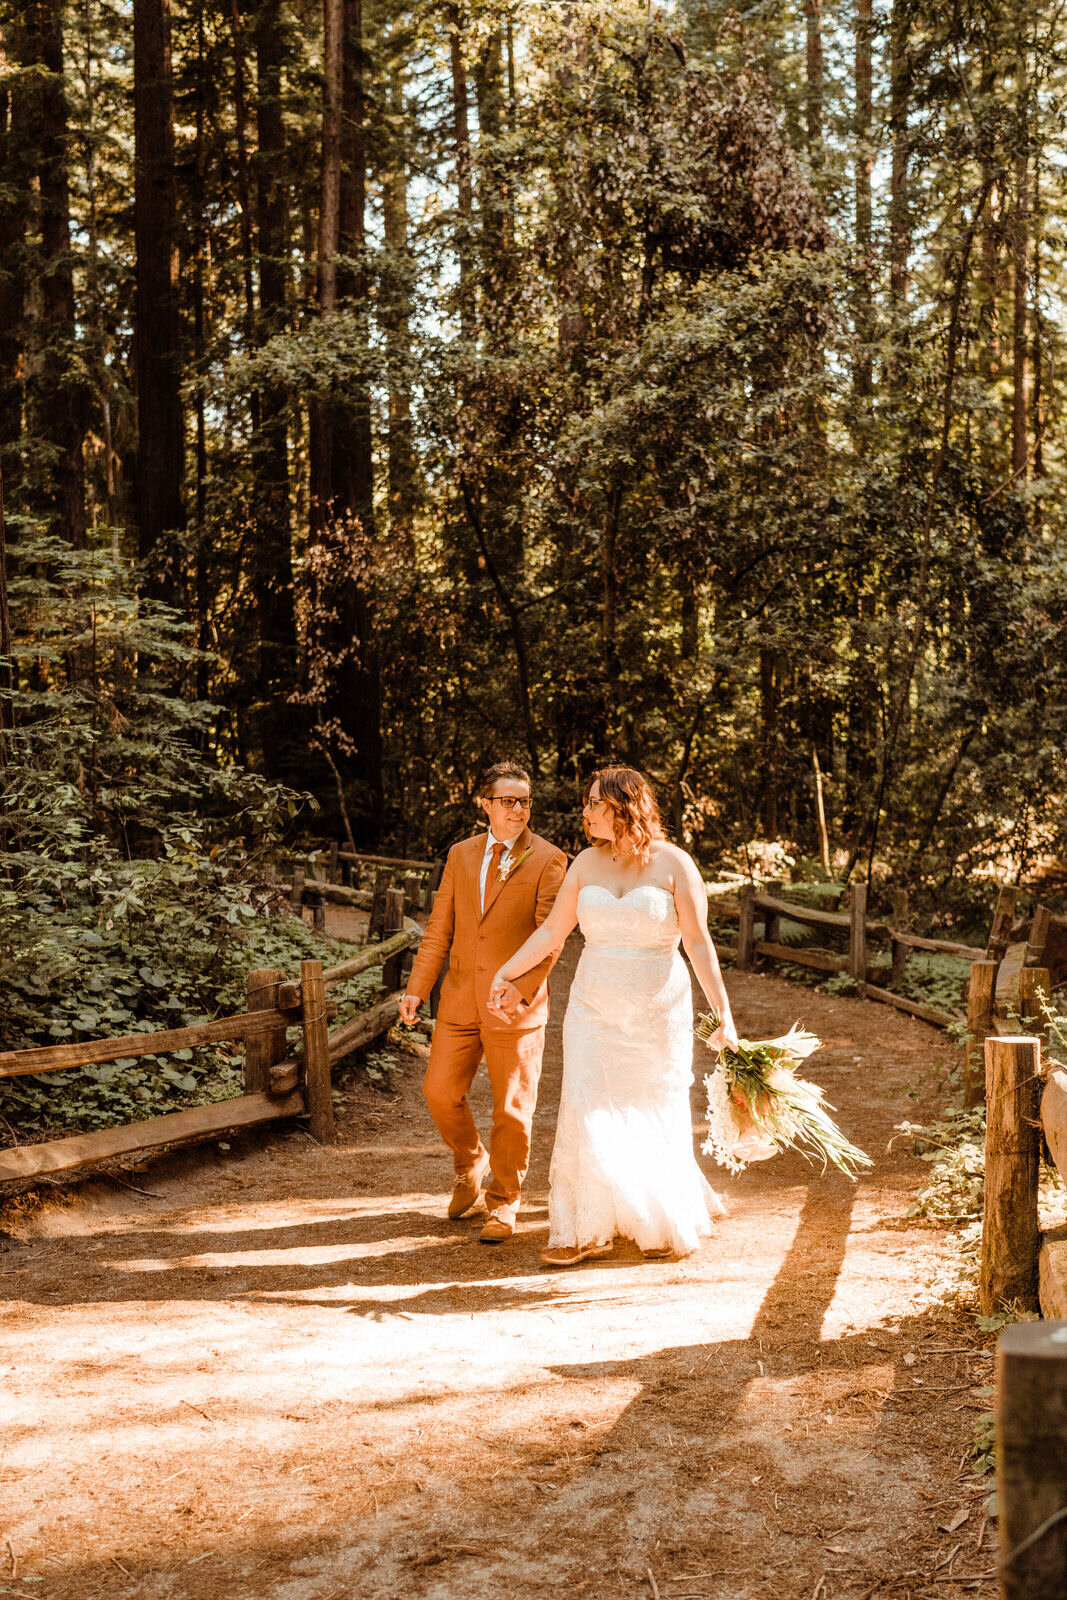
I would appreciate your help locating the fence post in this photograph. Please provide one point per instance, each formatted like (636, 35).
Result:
(1034, 983)
(1031, 1424)
(376, 928)
(297, 897)
(857, 932)
(262, 1050)
(332, 873)
(898, 919)
(393, 968)
(981, 996)
(1010, 1238)
(746, 927)
(771, 919)
(1035, 945)
(318, 1089)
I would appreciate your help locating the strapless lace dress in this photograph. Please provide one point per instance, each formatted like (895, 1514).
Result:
(623, 1161)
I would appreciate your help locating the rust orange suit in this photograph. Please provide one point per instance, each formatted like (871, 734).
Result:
(477, 943)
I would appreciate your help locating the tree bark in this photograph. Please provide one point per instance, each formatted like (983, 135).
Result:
(157, 357)
(396, 313)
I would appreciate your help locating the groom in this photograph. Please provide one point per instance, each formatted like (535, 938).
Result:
(496, 889)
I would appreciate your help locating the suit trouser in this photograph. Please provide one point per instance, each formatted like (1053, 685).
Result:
(513, 1058)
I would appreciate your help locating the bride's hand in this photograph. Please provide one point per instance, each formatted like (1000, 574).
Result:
(504, 998)
(724, 1037)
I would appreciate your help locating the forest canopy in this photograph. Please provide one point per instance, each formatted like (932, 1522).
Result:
(387, 388)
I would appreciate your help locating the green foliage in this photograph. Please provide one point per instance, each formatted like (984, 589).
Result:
(954, 1146)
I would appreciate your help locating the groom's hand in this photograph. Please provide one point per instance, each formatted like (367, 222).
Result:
(505, 1000)
(409, 1009)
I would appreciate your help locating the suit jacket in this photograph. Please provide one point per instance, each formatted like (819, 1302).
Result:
(478, 943)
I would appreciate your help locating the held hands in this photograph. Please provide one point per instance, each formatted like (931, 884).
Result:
(504, 999)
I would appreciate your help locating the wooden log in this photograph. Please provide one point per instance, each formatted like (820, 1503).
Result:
(389, 861)
(980, 998)
(262, 1049)
(1054, 1117)
(296, 893)
(948, 947)
(65, 1155)
(1035, 944)
(1052, 1273)
(365, 1028)
(393, 966)
(821, 960)
(809, 916)
(1031, 1456)
(898, 923)
(746, 930)
(1012, 1143)
(372, 957)
(1003, 916)
(1008, 977)
(723, 908)
(936, 1018)
(318, 1089)
(857, 932)
(91, 1052)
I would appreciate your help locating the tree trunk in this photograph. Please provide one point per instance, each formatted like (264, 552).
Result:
(16, 178)
(396, 314)
(899, 101)
(1020, 238)
(814, 84)
(57, 399)
(464, 190)
(157, 329)
(862, 159)
(280, 724)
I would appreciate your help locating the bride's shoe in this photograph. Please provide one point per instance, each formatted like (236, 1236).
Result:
(569, 1255)
(658, 1255)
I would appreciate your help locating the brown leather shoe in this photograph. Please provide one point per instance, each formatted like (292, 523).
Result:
(468, 1191)
(499, 1226)
(569, 1255)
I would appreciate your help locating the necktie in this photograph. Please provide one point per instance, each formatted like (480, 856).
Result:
(492, 877)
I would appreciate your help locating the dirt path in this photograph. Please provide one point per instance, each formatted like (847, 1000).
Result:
(285, 1376)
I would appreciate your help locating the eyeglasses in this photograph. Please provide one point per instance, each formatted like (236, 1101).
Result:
(510, 802)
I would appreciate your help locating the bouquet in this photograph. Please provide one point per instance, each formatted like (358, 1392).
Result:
(758, 1106)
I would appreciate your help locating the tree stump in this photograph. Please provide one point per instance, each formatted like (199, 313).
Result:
(1010, 1240)
(1031, 1450)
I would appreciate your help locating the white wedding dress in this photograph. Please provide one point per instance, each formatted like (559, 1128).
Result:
(623, 1162)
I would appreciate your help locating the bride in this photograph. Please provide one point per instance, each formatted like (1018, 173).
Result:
(623, 1161)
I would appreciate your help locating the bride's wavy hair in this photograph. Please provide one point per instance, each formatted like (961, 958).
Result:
(633, 803)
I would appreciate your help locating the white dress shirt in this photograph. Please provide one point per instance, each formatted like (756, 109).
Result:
(490, 841)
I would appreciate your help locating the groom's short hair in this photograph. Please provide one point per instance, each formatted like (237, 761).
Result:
(501, 769)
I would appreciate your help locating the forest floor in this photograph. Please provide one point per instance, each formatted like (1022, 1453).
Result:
(282, 1374)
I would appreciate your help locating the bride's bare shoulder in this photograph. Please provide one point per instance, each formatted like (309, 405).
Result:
(583, 861)
(678, 862)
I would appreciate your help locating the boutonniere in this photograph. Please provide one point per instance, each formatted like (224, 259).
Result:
(504, 873)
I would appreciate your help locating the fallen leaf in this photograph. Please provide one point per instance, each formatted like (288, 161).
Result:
(957, 1522)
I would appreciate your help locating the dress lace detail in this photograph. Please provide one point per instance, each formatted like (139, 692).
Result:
(623, 1161)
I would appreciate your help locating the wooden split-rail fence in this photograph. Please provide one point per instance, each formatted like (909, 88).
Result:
(317, 879)
(279, 1080)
